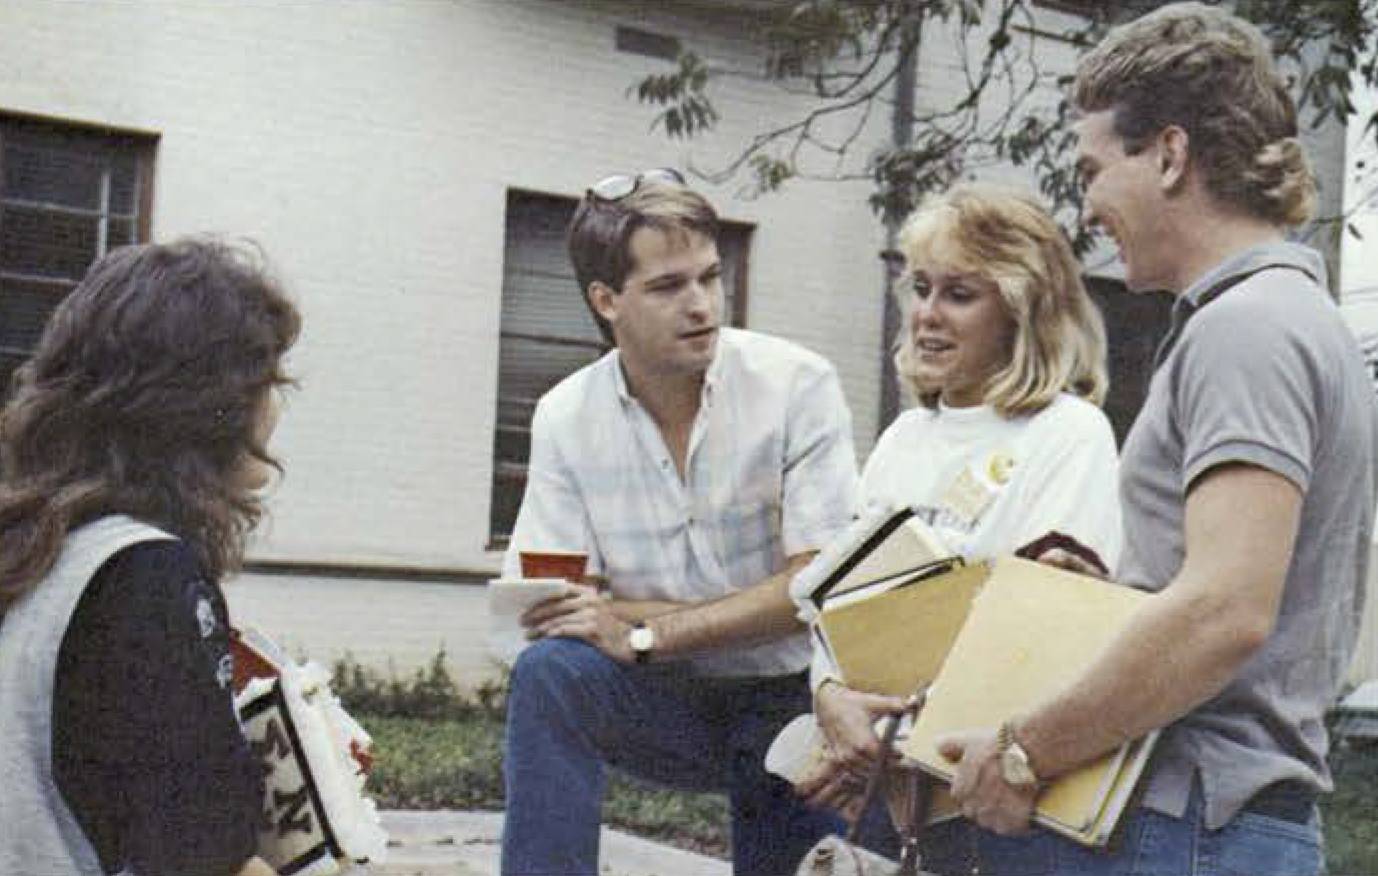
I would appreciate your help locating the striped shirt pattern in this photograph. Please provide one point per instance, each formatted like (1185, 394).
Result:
(770, 473)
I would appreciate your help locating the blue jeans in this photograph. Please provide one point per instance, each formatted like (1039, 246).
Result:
(572, 711)
(1148, 844)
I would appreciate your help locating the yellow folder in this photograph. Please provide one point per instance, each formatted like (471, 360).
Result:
(1030, 632)
(896, 641)
(993, 640)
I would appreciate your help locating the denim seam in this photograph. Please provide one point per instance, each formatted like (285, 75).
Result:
(1278, 827)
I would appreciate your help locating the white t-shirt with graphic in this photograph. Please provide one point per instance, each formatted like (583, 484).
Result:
(988, 484)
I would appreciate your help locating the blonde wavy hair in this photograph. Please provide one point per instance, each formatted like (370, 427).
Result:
(1211, 74)
(1005, 236)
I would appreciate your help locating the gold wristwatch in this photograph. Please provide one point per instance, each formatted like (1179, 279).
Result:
(1014, 760)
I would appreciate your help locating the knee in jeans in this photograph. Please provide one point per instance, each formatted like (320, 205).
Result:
(555, 666)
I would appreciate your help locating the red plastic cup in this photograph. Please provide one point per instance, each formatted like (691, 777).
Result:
(568, 565)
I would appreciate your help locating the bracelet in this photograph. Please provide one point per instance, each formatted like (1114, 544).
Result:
(824, 683)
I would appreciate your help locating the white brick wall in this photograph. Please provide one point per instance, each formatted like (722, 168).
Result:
(390, 626)
(368, 146)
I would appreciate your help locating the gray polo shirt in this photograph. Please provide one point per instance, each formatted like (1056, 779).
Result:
(1266, 373)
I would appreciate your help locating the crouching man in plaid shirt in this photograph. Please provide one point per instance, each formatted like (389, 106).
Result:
(699, 466)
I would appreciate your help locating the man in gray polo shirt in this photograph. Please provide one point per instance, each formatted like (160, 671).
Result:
(1248, 482)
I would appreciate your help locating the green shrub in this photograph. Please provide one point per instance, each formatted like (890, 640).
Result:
(430, 692)
(437, 747)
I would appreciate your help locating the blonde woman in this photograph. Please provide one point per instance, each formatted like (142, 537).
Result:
(1005, 353)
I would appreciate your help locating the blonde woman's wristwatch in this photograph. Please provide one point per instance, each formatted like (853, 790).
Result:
(1014, 760)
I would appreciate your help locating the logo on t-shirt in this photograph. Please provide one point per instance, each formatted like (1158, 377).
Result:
(224, 671)
(973, 491)
(205, 617)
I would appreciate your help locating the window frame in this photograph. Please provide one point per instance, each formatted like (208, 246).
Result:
(1084, 8)
(102, 141)
(514, 473)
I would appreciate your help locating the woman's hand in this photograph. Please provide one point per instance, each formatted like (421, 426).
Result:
(1065, 552)
(847, 718)
(256, 867)
(1061, 559)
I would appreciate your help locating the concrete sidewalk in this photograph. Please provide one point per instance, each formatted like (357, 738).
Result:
(455, 843)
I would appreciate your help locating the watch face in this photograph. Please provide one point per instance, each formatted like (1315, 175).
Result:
(641, 639)
(1014, 768)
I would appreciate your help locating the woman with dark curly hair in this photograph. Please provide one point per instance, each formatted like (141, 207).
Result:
(131, 453)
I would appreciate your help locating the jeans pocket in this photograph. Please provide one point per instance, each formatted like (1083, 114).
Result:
(1032, 855)
(946, 847)
(1258, 845)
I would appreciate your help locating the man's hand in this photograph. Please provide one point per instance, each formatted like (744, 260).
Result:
(980, 788)
(581, 614)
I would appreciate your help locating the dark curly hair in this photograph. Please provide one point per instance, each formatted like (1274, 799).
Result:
(142, 399)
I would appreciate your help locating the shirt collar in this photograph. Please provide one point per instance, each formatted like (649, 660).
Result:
(710, 378)
(619, 378)
(1213, 283)
(1255, 258)
(715, 368)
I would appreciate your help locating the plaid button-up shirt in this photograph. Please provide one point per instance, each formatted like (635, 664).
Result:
(770, 473)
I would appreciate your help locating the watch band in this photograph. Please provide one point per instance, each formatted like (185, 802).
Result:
(1013, 760)
(1004, 737)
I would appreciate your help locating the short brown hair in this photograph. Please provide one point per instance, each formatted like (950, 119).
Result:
(1006, 237)
(1212, 74)
(143, 398)
(600, 233)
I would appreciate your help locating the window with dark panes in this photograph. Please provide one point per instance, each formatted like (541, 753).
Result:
(1135, 322)
(547, 332)
(68, 194)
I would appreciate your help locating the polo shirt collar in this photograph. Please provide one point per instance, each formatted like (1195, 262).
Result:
(1280, 254)
(1219, 279)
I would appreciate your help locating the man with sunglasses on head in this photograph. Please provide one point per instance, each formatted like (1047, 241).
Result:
(699, 466)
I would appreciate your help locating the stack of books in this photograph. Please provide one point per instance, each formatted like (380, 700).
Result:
(898, 612)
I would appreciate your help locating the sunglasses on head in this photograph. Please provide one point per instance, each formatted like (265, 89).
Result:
(620, 185)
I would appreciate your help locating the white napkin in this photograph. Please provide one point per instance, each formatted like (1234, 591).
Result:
(508, 599)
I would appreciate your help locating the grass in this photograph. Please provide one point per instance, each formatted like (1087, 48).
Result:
(1351, 813)
(457, 764)
(437, 749)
